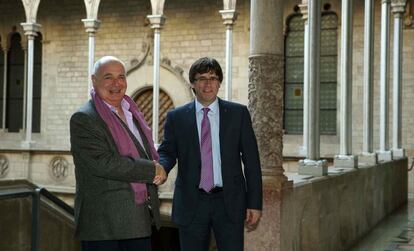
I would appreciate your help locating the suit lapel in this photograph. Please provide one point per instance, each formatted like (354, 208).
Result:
(224, 123)
(191, 121)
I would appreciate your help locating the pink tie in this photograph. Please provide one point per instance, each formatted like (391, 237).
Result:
(206, 180)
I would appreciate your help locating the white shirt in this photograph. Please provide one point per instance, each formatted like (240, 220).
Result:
(129, 120)
(214, 117)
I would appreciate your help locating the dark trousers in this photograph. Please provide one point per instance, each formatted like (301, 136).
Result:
(137, 244)
(211, 215)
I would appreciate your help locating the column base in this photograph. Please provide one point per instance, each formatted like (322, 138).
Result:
(384, 155)
(313, 167)
(398, 153)
(346, 161)
(368, 158)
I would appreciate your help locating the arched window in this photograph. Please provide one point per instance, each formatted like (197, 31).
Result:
(14, 100)
(144, 102)
(15, 84)
(294, 51)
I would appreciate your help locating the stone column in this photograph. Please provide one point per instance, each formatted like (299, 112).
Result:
(312, 165)
(156, 24)
(345, 157)
(229, 16)
(384, 153)
(25, 87)
(3, 119)
(367, 156)
(304, 10)
(398, 8)
(266, 70)
(30, 30)
(91, 26)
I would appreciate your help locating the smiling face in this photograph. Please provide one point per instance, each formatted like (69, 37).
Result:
(110, 82)
(206, 87)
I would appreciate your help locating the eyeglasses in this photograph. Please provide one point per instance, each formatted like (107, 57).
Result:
(204, 80)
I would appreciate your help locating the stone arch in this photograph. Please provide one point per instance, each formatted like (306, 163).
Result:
(172, 81)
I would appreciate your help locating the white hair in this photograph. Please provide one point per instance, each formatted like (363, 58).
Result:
(104, 60)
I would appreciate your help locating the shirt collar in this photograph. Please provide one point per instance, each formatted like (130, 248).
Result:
(124, 104)
(213, 106)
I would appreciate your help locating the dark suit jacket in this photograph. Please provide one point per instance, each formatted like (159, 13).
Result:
(237, 144)
(105, 207)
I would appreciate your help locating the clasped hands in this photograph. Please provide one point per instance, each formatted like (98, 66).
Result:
(160, 174)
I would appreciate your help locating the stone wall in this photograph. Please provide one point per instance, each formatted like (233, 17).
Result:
(333, 212)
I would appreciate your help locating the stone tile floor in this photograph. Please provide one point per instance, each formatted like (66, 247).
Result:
(396, 232)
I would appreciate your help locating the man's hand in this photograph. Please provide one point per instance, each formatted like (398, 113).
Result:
(252, 218)
(160, 174)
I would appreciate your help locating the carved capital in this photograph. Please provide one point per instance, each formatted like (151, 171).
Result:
(398, 7)
(31, 29)
(91, 25)
(229, 16)
(304, 10)
(266, 108)
(157, 21)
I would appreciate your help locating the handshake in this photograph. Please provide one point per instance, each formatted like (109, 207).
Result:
(160, 174)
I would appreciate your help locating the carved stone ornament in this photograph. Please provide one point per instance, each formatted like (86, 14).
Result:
(408, 15)
(59, 168)
(4, 166)
(266, 108)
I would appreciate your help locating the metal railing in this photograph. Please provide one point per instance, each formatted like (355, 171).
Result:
(35, 193)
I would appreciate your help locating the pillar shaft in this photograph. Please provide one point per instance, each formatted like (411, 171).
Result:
(3, 119)
(156, 24)
(384, 77)
(313, 148)
(156, 85)
(266, 67)
(304, 11)
(398, 8)
(31, 30)
(346, 80)
(229, 16)
(91, 27)
(29, 102)
(368, 77)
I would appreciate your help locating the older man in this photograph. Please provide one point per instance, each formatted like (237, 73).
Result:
(116, 166)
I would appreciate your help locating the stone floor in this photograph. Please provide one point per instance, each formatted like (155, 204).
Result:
(396, 232)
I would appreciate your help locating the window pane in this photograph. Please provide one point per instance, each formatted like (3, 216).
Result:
(293, 97)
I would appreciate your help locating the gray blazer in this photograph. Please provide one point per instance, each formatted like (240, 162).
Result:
(105, 208)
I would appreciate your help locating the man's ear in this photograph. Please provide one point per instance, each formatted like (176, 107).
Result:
(94, 80)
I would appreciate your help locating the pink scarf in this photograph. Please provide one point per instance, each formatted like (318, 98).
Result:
(124, 143)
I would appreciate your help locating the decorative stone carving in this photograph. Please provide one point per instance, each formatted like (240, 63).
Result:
(408, 16)
(266, 108)
(30, 8)
(157, 7)
(59, 168)
(4, 166)
(229, 4)
(92, 7)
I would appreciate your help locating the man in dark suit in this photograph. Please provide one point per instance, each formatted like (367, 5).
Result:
(210, 138)
(115, 166)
